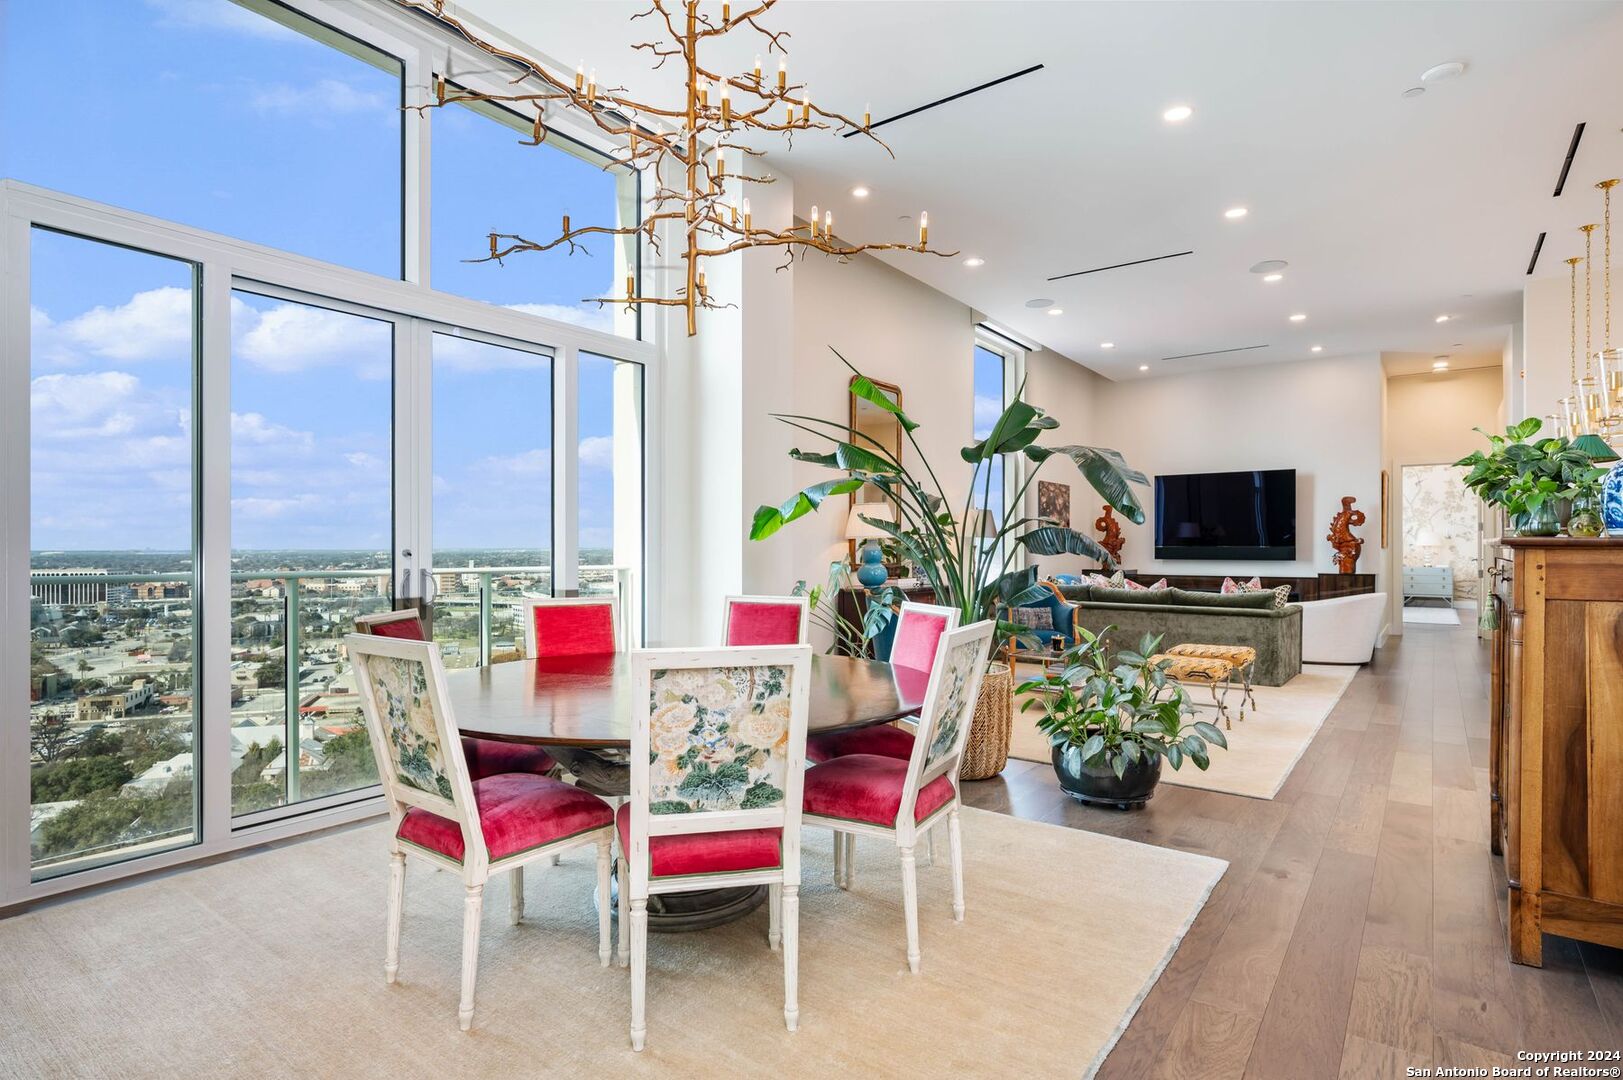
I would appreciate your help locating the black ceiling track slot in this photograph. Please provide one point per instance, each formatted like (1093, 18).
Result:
(1538, 246)
(1118, 266)
(949, 97)
(1214, 352)
(1566, 166)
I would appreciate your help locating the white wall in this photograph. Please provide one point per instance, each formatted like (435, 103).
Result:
(1547, 336)
(1322, 418)
(1070, 393)
(1429, 422)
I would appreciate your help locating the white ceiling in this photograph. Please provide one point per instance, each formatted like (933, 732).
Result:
(1389, 210)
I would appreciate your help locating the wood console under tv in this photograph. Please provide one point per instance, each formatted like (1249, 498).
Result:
(1318, 587)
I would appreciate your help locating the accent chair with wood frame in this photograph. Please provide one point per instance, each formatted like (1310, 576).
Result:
(870, 795)
(718, 742)
(571, 626)
(765, 620)
(474, 829)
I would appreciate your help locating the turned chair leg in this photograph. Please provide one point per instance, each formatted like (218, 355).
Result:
(397, 904)
(955, 840)
(515, 896)
(929, 848)
(554, 857)
(791, 955)
(910, 907)
(605, 856)
(472, 906)
(839, 859)
(774, 916)
(639, 970)
(850, 861)
(624, 954)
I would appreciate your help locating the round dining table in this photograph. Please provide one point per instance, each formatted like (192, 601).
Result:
(579, 708)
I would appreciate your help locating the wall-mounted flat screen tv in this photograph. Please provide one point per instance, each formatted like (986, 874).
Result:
(1226, 515)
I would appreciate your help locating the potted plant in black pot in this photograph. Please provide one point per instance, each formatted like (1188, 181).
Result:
(1112, 720)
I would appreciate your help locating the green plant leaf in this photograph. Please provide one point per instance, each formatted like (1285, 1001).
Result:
(1211, 733)
(1013, 431)
(864, 388)
(1058, 540)
(1093, 748)
(769, 519)
(1106, 471)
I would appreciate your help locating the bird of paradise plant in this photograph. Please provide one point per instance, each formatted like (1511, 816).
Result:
(968, 572)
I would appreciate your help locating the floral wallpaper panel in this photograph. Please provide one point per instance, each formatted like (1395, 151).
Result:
(1440, 523)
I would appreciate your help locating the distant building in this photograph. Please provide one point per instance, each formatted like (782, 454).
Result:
(114, 704)
(46, 589)
(160, 590)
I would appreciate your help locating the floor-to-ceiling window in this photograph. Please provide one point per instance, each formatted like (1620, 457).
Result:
(232, 442)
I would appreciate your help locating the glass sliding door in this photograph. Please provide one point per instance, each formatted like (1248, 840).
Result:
(492, 493)
(609, 478)
(113, 557)
(311, 540)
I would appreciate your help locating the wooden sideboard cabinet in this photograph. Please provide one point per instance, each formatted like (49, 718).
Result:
(1556, 761)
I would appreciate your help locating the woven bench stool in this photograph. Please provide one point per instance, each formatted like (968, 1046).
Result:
(1242, 657)
(1218, 675)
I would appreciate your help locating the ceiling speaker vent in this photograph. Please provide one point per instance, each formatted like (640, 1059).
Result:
(1538, 246)
(1118, 266)
(1566, 166)
(1214, 352)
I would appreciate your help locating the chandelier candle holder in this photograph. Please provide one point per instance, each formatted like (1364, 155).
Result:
(694, 149)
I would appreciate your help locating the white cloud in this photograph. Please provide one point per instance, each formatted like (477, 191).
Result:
(65, 407)
(597, 452)
(987, 410)
(594, 317)
(325, 96)
(531, 464)
(465, 355)
(154, 324)
(287, 338)
(253, 429)
(256, 508)
(362, 460)
(217, 15)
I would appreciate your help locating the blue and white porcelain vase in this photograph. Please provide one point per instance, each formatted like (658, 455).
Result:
(1611, 500)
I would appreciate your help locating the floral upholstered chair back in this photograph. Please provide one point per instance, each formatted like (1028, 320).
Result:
(718, 741)
(401, 684)
(949, 705)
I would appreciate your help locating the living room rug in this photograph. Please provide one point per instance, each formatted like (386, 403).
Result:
(271, 965)
(1262, 751)
(1438, 616)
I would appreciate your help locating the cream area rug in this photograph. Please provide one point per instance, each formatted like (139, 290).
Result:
(271, 965)
(1439, 616)
(1262, 751)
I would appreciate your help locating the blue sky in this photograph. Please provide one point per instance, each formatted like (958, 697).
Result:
(207, 114)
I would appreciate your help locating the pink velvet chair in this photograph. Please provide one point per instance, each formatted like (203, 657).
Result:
(485, 757)
(473, 828)
(718, 742)
(919, 628)
(765, 620)
(571, 626)
(902, 801)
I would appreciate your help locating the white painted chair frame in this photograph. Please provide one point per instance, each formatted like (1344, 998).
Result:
(802, 602)
(845, 846)
(476, 867)
(530, 603)
(367, 624)
(783, 882)
(905, 831)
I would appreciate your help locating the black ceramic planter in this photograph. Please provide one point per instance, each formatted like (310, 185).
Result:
(1097, 785)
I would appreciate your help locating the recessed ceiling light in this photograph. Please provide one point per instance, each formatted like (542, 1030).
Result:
(1235, 212)
(1107, 344)
(1039, 303)
(1298, 317)
(1439, 365)
(1269, 266)
(974, 260)
(1271, 278)
(1317, 348)
(1458, 345)
(1441, 318)
(1056, 311)
(1414, 91)
(1177, 114)
(859, 192)
(1449, 69)
(1143, 367)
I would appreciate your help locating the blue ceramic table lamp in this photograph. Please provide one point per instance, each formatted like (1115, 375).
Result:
(871, 570)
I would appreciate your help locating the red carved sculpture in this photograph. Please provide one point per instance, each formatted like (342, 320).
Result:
(1111, 539)
(1348, 547)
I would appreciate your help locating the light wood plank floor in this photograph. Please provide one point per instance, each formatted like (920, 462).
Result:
(1360, 927)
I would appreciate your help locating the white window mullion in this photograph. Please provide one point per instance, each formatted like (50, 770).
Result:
(14, 582)
(414, 459)
(211, 671)
(565, 472)
(415, 162)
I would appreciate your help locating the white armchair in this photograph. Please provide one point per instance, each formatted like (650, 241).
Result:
(1343, 630)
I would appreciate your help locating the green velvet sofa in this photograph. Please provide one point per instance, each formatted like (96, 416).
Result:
(1208, 618)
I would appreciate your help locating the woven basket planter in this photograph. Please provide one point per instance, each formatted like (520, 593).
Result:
(988, 749)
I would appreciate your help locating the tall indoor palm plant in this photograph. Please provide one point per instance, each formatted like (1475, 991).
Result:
(967, 570)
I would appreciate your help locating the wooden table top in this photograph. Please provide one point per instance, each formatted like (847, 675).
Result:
(585, 701)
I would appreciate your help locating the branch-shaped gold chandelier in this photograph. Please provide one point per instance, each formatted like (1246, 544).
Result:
(692, 140)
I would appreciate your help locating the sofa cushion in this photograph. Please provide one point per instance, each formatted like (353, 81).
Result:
(1131, 596)
(1032, 618)
(1253, 601)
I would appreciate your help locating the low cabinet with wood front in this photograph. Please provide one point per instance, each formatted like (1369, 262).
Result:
(1557, 756)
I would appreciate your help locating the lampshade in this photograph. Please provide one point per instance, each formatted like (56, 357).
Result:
(1595, 447)
(857, 529)
(1428, 537)
(981, 523)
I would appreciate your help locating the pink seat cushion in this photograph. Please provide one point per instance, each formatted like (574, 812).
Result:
(573, 629)
(488, 757)
(867, 787)
(763, 624)
(517, 812)
(706, 853)
(916, 640)
(884, 740)
(409, 629)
